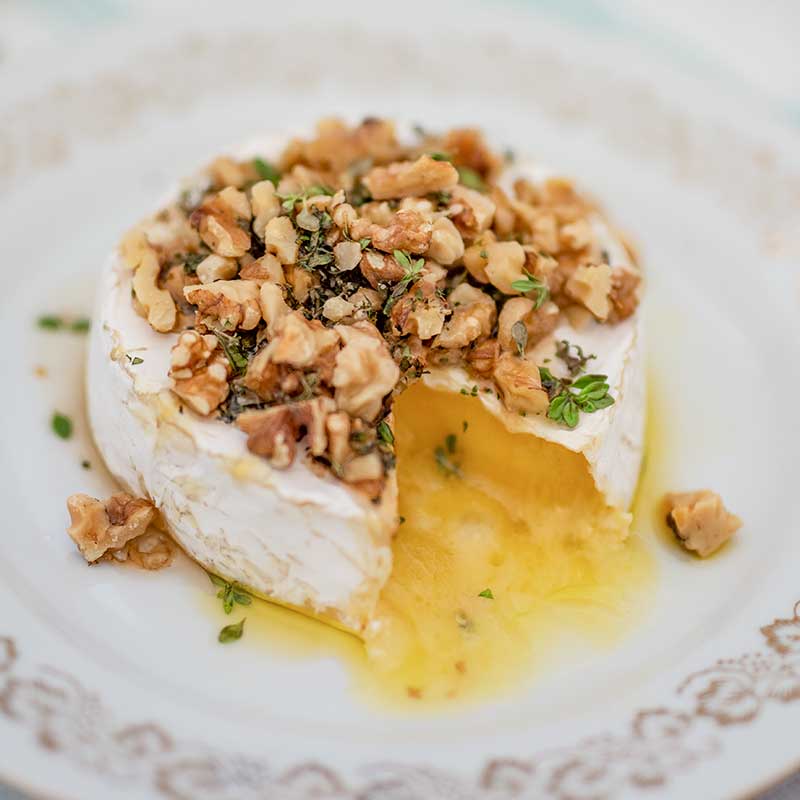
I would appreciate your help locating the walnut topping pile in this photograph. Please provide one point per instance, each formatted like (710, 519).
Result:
(307, 293)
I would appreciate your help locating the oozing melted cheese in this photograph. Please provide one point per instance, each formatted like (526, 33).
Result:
(522, 519)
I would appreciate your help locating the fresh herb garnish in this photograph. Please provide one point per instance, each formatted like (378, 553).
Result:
(531, 283)
(464, 426)
(385, 432)
(191, 261)
(51, 322)
(471, 179)
(134, 360)
(487, 593)
(438, 156)
(412, 270)
(230, 633)
(587, 394)
(365, 242)
(62, 425)
(575, 362)
(86, 464)
(288, 201)
(401, 519)
(519, 333)
(473, 392)
(230, 594)
(444, 455)
(266, 171)
(231, 345)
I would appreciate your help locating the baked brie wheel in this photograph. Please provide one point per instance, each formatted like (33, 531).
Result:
(256, 339)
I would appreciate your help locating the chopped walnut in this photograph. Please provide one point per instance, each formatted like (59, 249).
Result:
(223, 222)
(365, 371)
(590, 285)
(273, 307)
(700, 520)
(98, 527)
(224, 171)
(347, 255)
(447, 246)
(338, 427)
(157, 303)
(538, 322)
(474, 313)
(476, 257)
(468, 148)
(505, 265)
(368, 467)
(473, 212)
(280, 238)
(336, 146)
(411, 178)
(421, 311)
(624, 293)
(265, 204)
(300, 342)
(270, 433)
(216, 268)
(520, 385)
(273, 432)
(380, 268)
(406, 230)
(337, 308)
(233, 303)
(576, 235)
(483, 357)
(200, 371)
(264, 269)
(150, 551)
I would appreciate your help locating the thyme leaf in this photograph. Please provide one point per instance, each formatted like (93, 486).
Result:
(230, 633)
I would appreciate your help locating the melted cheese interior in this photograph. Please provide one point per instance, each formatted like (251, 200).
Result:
(524, 520)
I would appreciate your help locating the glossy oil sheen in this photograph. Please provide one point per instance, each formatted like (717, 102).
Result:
(521, 518)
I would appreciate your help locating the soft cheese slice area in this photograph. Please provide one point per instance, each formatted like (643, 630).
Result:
(522, 518)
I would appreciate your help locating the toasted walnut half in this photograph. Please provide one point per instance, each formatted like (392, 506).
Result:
(365, 371)
(411, 178)
(280, 238)
(474, 313)
(233, 303)
(700, 520)
(520, 385)
(200, 371)
(98, 527)
(624, 294)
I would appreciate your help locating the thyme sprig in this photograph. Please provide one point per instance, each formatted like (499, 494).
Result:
(530, 283)
(230, 593)
(568, 398)
(412, 270)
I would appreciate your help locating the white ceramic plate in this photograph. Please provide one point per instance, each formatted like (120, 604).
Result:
(111, 682)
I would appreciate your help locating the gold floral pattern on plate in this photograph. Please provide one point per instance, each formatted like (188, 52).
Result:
(74, 723)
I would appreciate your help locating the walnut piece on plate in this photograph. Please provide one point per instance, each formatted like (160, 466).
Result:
(700, 520)
(98, 527)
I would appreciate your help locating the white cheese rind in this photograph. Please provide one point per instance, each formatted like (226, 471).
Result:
(291, 535)
(287, 534)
